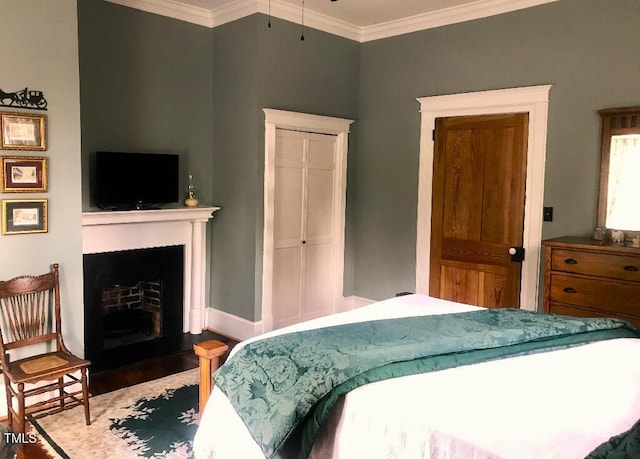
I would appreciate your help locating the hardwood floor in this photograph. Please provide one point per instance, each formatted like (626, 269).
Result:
(107, 381)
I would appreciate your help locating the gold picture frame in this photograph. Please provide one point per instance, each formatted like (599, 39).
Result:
(24, 216)
(23, 174)
(23, 131)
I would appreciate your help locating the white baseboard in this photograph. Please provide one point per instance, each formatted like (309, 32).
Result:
(240, 329)
(232, 326)
(358, 301)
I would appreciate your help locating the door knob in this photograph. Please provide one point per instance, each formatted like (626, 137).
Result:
(517, 253)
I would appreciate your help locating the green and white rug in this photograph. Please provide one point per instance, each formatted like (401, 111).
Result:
(156, 419)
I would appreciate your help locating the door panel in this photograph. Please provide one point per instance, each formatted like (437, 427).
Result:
(322, 151)
(320, 204)
(459, 284)
(478, 208)
(288, 210)
(492, 288)
(287, 283)
(289, 151)
(461, 186)
(318, 274)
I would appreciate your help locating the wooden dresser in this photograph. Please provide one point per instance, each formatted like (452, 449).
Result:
(588, 278)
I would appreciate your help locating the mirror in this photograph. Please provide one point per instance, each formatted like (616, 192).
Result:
(620, 169)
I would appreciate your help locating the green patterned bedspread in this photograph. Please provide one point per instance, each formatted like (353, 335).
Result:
(623, 446)
(283, 387)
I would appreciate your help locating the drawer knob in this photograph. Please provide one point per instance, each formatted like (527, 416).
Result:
(630, 268)
(570, 261)
(569, 290)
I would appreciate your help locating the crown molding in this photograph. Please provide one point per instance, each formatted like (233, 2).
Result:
(286, 11)
(172, 9)
(233, 11)
(292, 13)
(283, 10)
(461, 13)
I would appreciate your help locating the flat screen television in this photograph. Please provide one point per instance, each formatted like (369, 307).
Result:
(125, 181)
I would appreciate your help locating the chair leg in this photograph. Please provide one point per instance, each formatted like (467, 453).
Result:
(61, 389)
(21, 414)
(9, 402)
(85, 396)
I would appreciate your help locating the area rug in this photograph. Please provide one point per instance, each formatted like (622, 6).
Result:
(149, 420)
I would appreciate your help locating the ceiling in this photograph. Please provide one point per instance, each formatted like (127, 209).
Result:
(360, 20)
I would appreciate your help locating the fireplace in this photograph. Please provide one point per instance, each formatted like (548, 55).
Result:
(133, 305)
(120, 289)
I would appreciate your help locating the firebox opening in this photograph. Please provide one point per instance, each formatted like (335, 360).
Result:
(131, 313)
(133, 305)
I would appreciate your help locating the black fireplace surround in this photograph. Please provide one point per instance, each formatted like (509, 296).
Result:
(119, 335)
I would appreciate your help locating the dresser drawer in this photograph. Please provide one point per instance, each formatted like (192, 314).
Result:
(597, 264)
(573, 311)
(603, 295)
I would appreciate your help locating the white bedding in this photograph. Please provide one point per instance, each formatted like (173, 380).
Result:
(558, 404)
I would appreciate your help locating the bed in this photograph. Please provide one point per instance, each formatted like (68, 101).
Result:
(558, 404)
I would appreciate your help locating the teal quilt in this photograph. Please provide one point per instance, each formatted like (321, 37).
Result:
(623, 446)
(283, 387)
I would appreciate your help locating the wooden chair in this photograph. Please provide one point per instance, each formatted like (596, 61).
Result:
(30, 315)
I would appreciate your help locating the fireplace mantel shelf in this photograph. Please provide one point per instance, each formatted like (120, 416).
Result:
(110, 217)
(110, 231)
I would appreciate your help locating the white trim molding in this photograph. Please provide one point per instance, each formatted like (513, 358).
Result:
(238, 9)
(280, 119)
(533, 100)
(356, 302)
(446, 16)
(172, 9)
(232, 326)
(140, 229)
(239, 328)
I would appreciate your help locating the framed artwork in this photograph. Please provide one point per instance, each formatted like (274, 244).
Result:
(22, 216)
(22, 131)
(22, 174)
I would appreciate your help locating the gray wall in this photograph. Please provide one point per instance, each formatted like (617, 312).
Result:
(146, 86)
(256, 67)
(156, 73)
(163, 85)
(40, 50)
(588, 50)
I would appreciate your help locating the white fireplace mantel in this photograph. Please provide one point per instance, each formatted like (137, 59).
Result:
(112, 231)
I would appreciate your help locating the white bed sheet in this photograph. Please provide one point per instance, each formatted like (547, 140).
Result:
(559, 404)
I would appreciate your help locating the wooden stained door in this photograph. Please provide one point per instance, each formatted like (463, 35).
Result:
(479, 174)
(304, 246)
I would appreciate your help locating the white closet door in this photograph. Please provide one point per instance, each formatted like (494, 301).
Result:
(304, 243)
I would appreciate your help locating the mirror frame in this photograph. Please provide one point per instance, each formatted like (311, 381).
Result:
(615, 121)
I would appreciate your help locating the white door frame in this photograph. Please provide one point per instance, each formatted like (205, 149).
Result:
(533, 100)
(280, 119)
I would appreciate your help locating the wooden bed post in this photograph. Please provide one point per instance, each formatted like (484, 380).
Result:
(209, 353)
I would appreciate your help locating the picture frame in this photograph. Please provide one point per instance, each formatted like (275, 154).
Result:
(23, 174)
(24, 216)
(23, 131)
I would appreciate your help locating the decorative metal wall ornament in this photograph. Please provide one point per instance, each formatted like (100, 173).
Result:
(24, 98)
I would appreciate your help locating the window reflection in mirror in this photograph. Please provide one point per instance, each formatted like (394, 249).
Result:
(623, 194)
(619, 198)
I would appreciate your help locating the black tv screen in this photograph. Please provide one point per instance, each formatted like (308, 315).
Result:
(135, 180)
